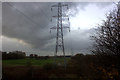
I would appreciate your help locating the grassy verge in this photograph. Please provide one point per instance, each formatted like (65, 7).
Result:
(34, 62)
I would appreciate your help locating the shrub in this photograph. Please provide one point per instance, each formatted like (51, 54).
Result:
(50, 66)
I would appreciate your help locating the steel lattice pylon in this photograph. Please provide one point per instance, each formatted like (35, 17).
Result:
(59, 28)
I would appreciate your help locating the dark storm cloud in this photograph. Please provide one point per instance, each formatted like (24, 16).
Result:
(16, 25)
(30, 22)
(33, 28)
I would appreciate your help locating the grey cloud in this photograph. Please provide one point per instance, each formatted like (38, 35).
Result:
(0, 25)
(80, 40)
(104, 4)
(17, 25)
(77, 6)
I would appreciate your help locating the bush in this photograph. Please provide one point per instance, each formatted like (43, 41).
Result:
(50, 66)
(13, 55)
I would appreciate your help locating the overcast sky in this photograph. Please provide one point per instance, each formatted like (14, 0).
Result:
(26, 26)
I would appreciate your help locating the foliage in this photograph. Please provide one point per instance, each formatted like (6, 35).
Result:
(13, 55)
(50, 66)
(82, 67)
(108, 34)
(94, 67)
(31, 56)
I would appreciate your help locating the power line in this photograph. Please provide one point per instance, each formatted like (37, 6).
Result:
(72, 51)
(25, 14)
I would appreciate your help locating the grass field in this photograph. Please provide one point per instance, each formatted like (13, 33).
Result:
(34, 62)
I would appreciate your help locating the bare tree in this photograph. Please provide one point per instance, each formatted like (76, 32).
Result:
(107, 39)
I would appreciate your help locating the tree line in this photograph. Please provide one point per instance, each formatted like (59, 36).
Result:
(107, 38)
(13, 55)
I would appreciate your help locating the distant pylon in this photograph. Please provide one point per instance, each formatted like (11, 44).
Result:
(59, 28)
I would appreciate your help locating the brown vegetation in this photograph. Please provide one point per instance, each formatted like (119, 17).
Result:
(80, 67)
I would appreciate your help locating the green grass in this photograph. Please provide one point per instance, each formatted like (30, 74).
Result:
(34, 62)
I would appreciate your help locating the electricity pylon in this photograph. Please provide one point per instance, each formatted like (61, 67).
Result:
(59, 28)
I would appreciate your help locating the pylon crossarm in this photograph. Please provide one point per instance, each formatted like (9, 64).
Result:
(59, 27)
(53, 27)
(66, 27)
(63, 16)
(61, 5)
(65, 5)
(54, 6)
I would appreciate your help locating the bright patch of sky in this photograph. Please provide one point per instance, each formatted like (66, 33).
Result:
(89, 17)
